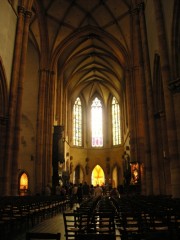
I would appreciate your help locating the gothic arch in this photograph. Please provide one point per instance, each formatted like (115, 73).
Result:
(117, 173)
(97, 175)
(3, 119)
(23, 183)
(3, 91)
(78, 174)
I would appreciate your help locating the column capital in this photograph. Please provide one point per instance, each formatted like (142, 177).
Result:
(135, 67)
(21, 10)
(28, 13)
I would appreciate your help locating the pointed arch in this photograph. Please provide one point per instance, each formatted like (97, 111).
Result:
(77, 122)
(98, 176)
(97, 122)
(23, 183)
(3, 91)
(117, 175)
(3, 121)
(78, 174)
(116, 123)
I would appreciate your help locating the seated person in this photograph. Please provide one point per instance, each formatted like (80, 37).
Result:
(114, 193)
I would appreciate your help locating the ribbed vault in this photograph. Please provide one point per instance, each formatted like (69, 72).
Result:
(86, 41)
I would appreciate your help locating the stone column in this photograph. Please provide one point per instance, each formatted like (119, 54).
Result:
(58, 153)
(40, 130)
(174, 87)
(141, 116)
(44, 130)
(14, 184)
(51, 122)
(13, 101)
(131, 112)
(49, 116)
(151, 163)
(3, 127)
(168, 100)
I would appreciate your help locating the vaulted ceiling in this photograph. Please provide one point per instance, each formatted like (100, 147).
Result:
(87, 41)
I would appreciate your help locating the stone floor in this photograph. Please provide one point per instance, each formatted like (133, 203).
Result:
(52, 225)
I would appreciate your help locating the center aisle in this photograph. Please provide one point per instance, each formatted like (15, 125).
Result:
(54, 224)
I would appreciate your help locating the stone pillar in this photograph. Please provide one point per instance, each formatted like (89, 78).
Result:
(14, 172)
(40, 131)
(3, 127)
(49, 116)
(141, 116)
(58, 153)
(13, 101)
(168, 100)
(131, 112)
(174, 87)
(44, 130)
(151, 163)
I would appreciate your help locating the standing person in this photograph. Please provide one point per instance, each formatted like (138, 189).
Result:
(85, 189)
(114, 193)
(58, 190)
(98, 191)
(91, 190)
(73, 198)
(48, 190)
(63, 192)
(80, 193)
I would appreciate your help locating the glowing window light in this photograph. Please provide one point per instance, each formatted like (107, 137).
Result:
(24, 181)
(77, 123)
(116, 122)
(97, 176)
(96, 123)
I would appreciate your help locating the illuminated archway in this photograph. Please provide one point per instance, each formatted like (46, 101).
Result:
(23, 184)
(23, 181)
(97, 176)
(78, 175)
(115, 177)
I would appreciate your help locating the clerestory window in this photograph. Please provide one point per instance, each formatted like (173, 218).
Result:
(116, 131)
(77, 123)
(96, 123)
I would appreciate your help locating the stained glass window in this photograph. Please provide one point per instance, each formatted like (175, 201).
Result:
(96, 123)
(116, 131)
(77, 123)
(97, 176)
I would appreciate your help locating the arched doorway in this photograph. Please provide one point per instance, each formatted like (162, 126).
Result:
(78, 175)
(115, 177)
(23, 184)
(97, 176)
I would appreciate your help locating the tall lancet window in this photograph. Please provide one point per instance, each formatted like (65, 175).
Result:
(116, 130)
(96, 123)
(77, 123)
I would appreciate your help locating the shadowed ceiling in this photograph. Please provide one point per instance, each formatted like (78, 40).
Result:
(86, 41)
